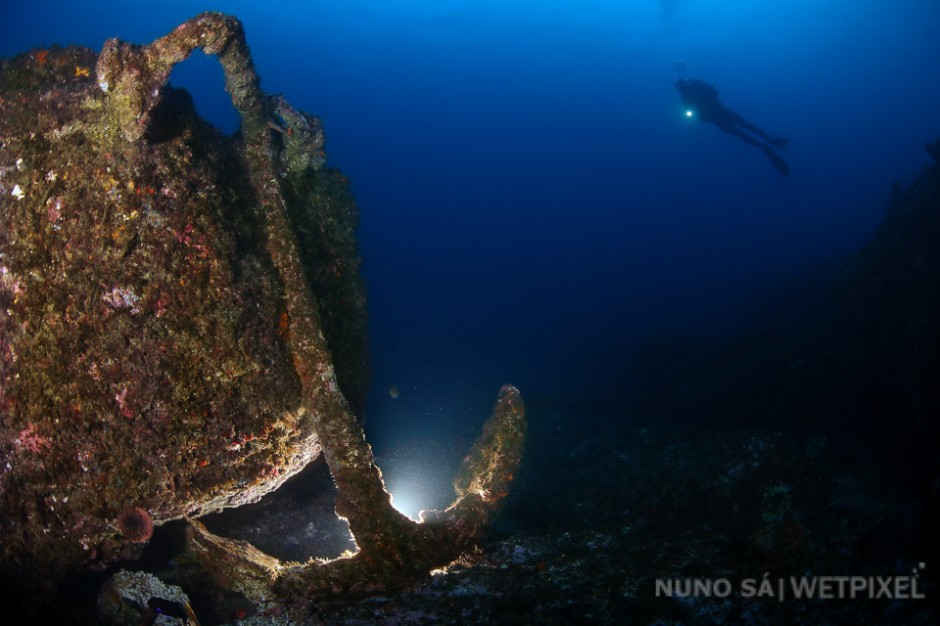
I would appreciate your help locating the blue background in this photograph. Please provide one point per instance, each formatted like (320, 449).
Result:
(534, 204)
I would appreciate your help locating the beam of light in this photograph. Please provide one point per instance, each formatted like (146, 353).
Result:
(417, 484)
(407, 497)
(689, 113)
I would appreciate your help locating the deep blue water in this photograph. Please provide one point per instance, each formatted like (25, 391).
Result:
(534, 202)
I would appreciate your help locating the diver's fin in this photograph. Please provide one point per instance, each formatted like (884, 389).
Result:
(780, 142)
(779, 164)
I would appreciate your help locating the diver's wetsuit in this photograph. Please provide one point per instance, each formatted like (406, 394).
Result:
(702, 99)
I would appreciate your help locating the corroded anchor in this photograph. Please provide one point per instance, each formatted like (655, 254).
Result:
(393, 550)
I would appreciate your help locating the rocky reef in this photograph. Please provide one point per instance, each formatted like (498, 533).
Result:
(183, 324)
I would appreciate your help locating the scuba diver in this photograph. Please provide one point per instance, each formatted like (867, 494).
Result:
(701, 99)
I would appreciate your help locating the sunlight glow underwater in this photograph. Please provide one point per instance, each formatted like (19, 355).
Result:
(407, 498)
(415, 485)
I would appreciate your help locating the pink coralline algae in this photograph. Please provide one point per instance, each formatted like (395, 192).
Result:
(121, 399)
(122, 299)
(33, 442)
